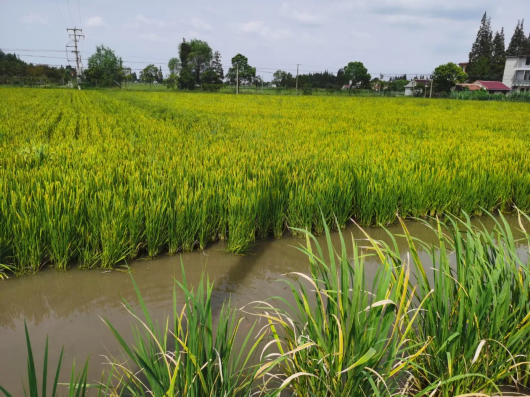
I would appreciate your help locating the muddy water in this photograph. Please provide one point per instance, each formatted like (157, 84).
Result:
(68, 306)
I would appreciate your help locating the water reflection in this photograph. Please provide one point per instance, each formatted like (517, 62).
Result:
(67, 306)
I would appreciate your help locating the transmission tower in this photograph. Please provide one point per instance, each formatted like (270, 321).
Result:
(76, 35)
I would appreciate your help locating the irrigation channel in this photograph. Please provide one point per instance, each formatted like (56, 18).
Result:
(68, 305)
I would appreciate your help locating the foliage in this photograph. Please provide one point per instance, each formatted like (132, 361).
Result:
(519, 43)
(349, 341)
(477, 311)
(192, 358)
(199, 58)
(77, 387)
(358, 74)
(174, 65)
(498, 61)
(102, 177)
(397, 85)
(445, 77)
(241, 68)
(481, 51)
(149, 74)
(453, 323)
(105, 67)
(172, 81)
(484, 96)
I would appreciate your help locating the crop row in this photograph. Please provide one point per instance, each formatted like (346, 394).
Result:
(97, 178)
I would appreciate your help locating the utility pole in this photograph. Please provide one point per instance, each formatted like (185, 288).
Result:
(76, 37)
(262, 85)
(432, 83)
(297, 66)
(237, 80)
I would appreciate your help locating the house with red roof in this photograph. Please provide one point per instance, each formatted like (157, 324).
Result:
(493, 87)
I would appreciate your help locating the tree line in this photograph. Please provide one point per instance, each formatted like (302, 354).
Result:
(488, 53)
(12, 66)
(198, 66)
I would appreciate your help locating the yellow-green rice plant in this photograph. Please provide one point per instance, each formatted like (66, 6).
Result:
(156, 217)
(62, 205)
(475, 319)
(190, 354)
(344, 337)
(180, 160)
(28, 230)
(242, 215)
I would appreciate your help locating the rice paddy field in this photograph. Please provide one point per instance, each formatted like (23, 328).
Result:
(98, 178)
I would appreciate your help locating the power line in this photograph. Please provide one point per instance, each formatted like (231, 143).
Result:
(70, 11)
(61, 15)
(80, 20)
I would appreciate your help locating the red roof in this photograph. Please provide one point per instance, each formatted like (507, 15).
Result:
(472, 87)
(493, 85)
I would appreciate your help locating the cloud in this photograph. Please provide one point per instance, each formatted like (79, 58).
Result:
(259, 27)
(95, 22)
(142, 19)
(132, 25)
(154, 38)
(252, 27)
(303, 17)
(200, 24)
(448, 10)
(33, 19)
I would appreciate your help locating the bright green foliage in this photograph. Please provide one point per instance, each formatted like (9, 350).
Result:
(192, 358)
(358, 74)
(455, 325)
(445, 77)
(97, 177)
(104, 68)
(350, 335)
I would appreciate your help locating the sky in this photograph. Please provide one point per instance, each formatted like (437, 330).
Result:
(389, 36)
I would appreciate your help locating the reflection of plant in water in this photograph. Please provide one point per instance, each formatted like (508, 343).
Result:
(463, 330)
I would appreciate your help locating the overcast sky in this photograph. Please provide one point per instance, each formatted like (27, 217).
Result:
(388, 36)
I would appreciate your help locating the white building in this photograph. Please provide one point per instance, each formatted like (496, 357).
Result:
(409, 88)
(517, 73)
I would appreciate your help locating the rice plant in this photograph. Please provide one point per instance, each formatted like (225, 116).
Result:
(192, 356)
(97, 178)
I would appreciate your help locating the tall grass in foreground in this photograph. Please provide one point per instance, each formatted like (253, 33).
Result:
(455, 326)
(475, 322)
(193, 356)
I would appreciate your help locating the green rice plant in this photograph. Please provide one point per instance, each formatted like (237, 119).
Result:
(341, 338)
(28, 232)
(186, 170)
(114, 240)
(77, 387)
(475, 319)
(156, 218)
(61, 206)
(242, 215)
(194, 358)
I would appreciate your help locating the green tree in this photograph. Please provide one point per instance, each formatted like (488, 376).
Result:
(499, 56)
(217, 65)
(174, 65)
(358, 74)
(397, 85)
(446, 76)
(149, 74)
(199, 58)
(241, 68)
(104, 67)
(481, 53)
(186, 79)
(160, 75)
(172, 81)
(518, 44)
